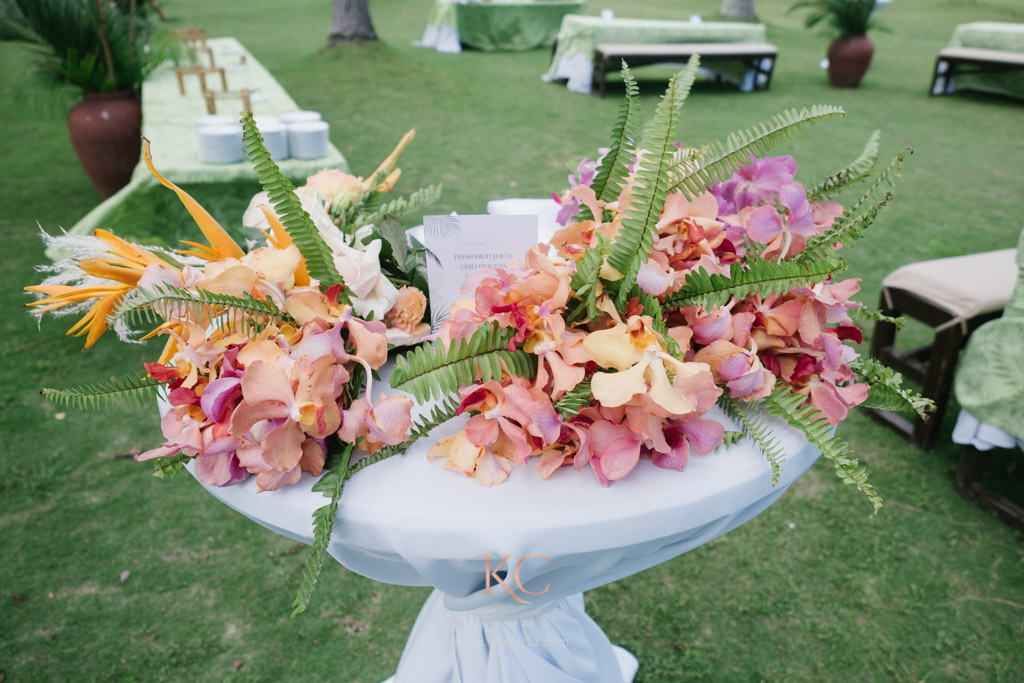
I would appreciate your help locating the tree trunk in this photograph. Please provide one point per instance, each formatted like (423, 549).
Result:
(738, 9)
(351, 21)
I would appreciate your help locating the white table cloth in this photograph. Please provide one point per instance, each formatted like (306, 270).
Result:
(408, 521)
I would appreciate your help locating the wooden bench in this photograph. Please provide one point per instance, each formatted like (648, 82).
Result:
(759, 56)
(953, 296)
(953, 61)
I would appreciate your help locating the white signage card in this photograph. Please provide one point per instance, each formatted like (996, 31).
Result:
(458, 245)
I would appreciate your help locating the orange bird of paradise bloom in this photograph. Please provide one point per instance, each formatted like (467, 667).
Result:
(125, 263)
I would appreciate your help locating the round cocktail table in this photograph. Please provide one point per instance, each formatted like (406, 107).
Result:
(509, 564)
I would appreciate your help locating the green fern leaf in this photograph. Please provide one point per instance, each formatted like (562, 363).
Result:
(430, 370)
(245, 314)
(323, 525)
(864, 314)
(887, 392)
(727, 156)
(575, 400)
(859, 169)
(611, 174)
(126, 390)
(288, 207)
(750, 418)
(400, 206)
(846, 229)
(763, 277)
(635, 240)
(730, 438)
(791, 407)
(167, 467)
(584, 282)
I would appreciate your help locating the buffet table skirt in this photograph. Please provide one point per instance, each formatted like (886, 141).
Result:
(409, 521)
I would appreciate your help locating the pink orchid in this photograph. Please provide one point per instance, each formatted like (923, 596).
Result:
(385, 423)
(783, 233)
(755, 184)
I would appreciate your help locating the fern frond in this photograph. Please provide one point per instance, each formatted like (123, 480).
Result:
(323, 525)
(584, 281)
(635, 240)
(846, 228)
(288, 207)
(763, 277)
(612, 173)
(430, 370)
(865, 314)
(129, 389)
(727, 156)
(400, 206)
(165, 467)
(750, 418)
(575, 400)
(245, 314)
(887, 391)
(791, 407)
(859, 169)
(730, 438)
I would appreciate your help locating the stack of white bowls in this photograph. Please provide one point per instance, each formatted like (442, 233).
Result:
(308, 135)
(275, 136)
(219, 140)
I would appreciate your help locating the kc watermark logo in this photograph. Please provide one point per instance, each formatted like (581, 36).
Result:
(492, 575)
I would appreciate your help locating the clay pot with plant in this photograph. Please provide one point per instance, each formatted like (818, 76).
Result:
(103, 50)
(849, 54)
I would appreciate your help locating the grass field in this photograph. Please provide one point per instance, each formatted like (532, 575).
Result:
(932, 589)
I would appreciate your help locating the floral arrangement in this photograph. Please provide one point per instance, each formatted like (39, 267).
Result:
(684, 279)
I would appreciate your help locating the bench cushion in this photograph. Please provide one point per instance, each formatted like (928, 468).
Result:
(966, 286)
(977, 54)
(678, 49)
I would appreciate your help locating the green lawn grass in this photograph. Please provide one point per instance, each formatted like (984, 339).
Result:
(931, 589)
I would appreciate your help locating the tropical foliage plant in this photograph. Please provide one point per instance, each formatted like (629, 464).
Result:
(840, 18)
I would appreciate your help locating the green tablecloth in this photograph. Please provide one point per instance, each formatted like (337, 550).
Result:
(523, 25)
(991, 35)
(511, 25)
(579, 34)
(168, 122)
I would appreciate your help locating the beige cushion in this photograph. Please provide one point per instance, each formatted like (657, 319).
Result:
(965, 286)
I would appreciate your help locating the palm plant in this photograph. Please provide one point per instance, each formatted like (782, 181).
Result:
(65, 35)
(843, 18)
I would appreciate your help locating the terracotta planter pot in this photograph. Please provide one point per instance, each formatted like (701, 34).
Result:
(106, 132)
(848, 60)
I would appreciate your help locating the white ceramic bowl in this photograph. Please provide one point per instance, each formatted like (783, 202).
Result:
(220, 144)
(308, 140)
(300, 117)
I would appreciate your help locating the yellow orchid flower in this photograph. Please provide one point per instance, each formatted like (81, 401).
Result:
(639, 354)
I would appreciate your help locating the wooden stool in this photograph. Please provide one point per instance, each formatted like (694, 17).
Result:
(200, 71)
(212, 97)
(953, 296)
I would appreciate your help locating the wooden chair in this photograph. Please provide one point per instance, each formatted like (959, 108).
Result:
(201, 72)
(953, 296)
(212, 97)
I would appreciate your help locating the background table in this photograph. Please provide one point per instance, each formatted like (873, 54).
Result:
(990, 35)
(512, 25)
(168, 121)
(408, 521)
(574, 56)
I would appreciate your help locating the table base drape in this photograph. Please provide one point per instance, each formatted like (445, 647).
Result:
(555, 642)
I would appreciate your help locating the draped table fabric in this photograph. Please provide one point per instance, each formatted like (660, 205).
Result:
(409, 521)
(168, 122)
(990, 35)
(574, 57)
(512, 25)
